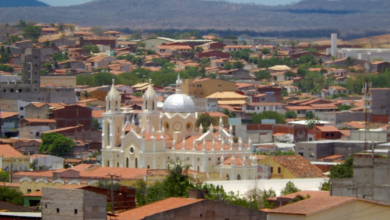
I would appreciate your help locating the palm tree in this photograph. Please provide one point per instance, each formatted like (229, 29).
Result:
(177, 183)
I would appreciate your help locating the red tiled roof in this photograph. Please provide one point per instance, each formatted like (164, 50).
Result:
(4, 115)
(327, 128)
(97, 113)
(316, 205)
(304, 193)
(7, 150)
(299, 166)
(298, 107)
(156, 207)
(34, 194)
(333, 157)
(337, 87)
(346, 133)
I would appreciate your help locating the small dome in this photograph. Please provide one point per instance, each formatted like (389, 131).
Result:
(179, 103)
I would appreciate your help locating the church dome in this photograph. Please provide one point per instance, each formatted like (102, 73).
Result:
(179, 103)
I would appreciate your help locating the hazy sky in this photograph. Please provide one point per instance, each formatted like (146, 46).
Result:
(75, 2)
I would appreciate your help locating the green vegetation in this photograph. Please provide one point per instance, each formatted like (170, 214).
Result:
(279, 118)
(265, 51)
(6, 68)
(290, 114)
(11, 195)
(95, 124)
(344, 107)
(290, 188)
(206, 120)
(263, 74)
(313, 83)
(5, 54)
(325, 186)
(272, 62)
(309, 115)
(4, 176)
(32, 32)
(92, 48)
(56, 144)
(60, 57)
(344, 170)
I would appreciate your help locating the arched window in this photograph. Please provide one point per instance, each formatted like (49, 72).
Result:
(127, 162)
(197, 169)
(136, 162)
(146, 104)
(148, 167)
(108, 163)
(107, 134)
(238, 177)
(117, 164)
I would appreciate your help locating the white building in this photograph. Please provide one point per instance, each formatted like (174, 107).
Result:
(171, 136)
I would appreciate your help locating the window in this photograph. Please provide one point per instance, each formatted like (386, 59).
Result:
(46, 206)
(58, 210)
(75, 211)
(37, 134)
(272, 170)
(279, 170)
(21, 108)
(28, 190)
(198, 159)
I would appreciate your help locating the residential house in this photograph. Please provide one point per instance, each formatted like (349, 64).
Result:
(299, 110)
(193, 207)
(213, 46)
(290, 167)
(95, 40)
(231, 48)
(291, 89)
(283, 200)
(39, 110)
(23, 145)
(47, 162)
(77, 53)
(98, 114)
(33, 128)
(173, 49)
(81, 204)
(229, 98)
(324, 132)
(71, 115)
(24, 44)
(12, 160)
(334, 90)
(101, 61)
(98, 93)
(12, 211)
(379, 66)
(220, 63)
(212, 53)
(206, 86)
(71, 64)
(235, 73)
(9, 124)
(259, 107)
(47, 54)
(269, 89)
(330, 207)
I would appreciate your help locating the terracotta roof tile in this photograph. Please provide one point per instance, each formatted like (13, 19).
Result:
(8, 114)
(156, 207)
(97, 113)
(304, 193)
(298, 166)
(7, 150)
(327, 128)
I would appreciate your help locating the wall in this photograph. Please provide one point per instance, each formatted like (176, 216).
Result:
(60, 81)
(207, 210)
(207, 87)
(67, 96)
(371, 135)
(379, 107)
(284, 172)
(61, 204)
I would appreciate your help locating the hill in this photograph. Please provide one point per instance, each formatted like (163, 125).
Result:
(21, 3)
(352, 18)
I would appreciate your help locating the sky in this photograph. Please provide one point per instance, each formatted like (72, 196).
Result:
(75, 2)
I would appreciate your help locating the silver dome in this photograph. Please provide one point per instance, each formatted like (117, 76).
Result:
(179, 103)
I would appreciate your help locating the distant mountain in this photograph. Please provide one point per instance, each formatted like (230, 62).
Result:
(349, 17)
(21, 3)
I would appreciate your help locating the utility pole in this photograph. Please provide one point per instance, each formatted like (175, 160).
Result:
(367, 101)
(112, 176)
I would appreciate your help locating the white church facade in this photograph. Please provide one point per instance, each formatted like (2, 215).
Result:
(171, 135)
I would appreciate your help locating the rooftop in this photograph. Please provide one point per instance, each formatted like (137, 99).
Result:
(7, 150)
(156, 207)
(299, 166)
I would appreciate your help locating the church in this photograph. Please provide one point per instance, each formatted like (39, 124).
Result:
(171, 135)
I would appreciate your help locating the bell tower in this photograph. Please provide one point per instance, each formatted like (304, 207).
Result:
(149, 117)
(112, 120)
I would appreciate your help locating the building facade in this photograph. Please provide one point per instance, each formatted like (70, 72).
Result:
(171, 136)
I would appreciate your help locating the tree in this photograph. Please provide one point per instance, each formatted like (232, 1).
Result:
(140, 44)
(95, 124)
(227, 65)
(344, 107)
(228, 113)
(86, 94)
(198, 49)
(349, 61)
(344, 170)
(312, 122)
(325, 186)
(177, 182)
(263, 74)
(265, 51)
(4, 176)
(56, 144)
(206, 120)
(11, 195)
(32, 32)
(313, 82)
(290, 188)
(98, 30)
(136, 36)
(309, 115)
(95, 49)
(279, 118)
(290, 74)
(238, 65)
(61, 28)
(106, 184)
(290, 114)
